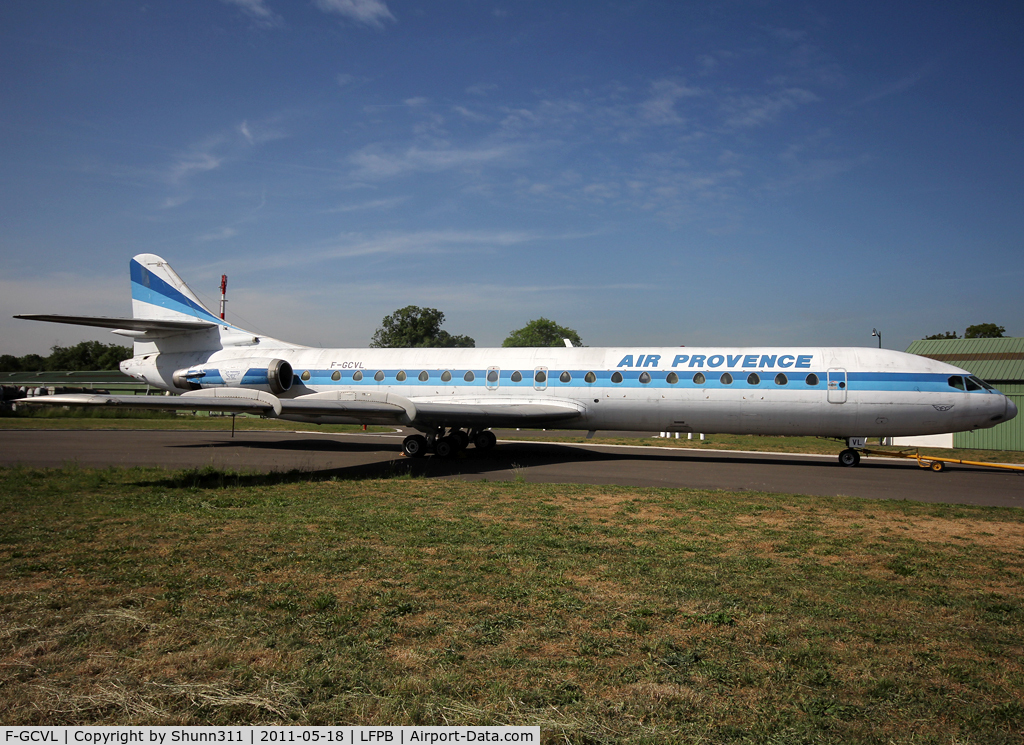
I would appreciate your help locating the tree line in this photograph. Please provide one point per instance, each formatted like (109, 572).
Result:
(413, 326)
(87, 355)
(978, 331)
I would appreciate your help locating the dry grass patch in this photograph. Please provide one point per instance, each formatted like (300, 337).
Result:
(601, 614)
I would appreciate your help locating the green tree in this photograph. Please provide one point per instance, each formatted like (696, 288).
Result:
(984, 331)
(413, 326)
(9, 363)
(87, 355)
(32, 363)
(943, 335)
(542, 333)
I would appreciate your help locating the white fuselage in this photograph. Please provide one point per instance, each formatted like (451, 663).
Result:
(830, 392)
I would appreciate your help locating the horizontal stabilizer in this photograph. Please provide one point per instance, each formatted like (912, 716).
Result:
(133, 324)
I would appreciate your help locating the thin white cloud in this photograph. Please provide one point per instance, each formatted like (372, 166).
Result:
(258, 11)
(481, 89)
(193, 163)
(218, 235)
(373, 163)
(753, 111)
(368, 12)
(373, 204)
(898, 86)
(660, 107)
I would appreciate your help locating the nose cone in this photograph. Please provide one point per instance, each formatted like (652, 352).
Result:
(1011, 409)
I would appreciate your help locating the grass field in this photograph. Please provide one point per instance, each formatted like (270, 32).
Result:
(601, 614)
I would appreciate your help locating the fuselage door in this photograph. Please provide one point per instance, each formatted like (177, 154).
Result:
(836, 385)
(493, 376)
(540, 378)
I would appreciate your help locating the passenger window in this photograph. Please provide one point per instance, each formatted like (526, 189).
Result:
(446, 376)
(565, 377)
(726, 379)
(335, 375)
(754, 379)
(972, 384)
(671, 378)
(590, 377)
(645, 378)
(781, 379)
(616, 377)
(699, 378)
(401, 376)
(492, 376)
(378, 376)
(469, 377)
(517, 376)
(540, 377)
(357, 375)
(955, 381)
(811, 379)
(305, 375)
(424, 376)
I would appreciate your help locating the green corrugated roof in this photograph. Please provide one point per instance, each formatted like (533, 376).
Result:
(989, 359)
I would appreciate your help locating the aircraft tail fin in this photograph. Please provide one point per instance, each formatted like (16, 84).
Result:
(158, 293)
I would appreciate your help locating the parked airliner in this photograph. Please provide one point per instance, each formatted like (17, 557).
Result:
(453, 397)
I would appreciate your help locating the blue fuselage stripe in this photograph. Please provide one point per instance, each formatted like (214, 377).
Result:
(854, 381)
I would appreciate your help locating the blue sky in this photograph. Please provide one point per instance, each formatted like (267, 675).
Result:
(647, 173)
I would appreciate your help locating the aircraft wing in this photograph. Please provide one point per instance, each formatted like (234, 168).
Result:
(375, 408)
(133, 324)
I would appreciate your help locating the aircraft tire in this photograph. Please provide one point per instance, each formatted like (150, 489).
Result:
(849, 457)
(444, 447)
(461, 439)
(485, 440)
(414, 446)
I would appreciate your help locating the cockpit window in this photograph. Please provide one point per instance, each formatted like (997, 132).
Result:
(973, 384)
(955, 381)
(980, 382)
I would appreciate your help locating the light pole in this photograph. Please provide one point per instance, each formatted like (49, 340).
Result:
(876, 332)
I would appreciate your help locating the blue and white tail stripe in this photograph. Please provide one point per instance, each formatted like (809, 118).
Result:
(158, 293)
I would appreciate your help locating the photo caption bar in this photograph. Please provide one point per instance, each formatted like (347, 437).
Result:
(264, 735)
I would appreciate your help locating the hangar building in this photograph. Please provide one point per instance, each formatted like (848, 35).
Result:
(999, 362)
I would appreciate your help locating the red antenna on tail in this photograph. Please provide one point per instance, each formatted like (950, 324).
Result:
(223, 293)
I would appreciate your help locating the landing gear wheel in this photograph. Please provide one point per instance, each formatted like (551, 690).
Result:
(849, 457)
(485, 440)
(414, 446)
(938, 466)
(444, 447)
(461, 439)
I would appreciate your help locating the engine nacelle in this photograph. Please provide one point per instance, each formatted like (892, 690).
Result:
(273, 376)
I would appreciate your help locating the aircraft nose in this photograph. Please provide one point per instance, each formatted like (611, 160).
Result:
(1011, 409)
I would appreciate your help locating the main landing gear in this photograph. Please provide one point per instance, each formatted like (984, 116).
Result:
(445, 445)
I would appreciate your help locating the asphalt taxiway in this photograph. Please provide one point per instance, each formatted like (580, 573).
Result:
(370, 455)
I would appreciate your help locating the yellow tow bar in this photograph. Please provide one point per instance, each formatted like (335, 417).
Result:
(936, 463)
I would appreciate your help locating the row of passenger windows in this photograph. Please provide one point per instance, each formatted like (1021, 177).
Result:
(645, 377)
